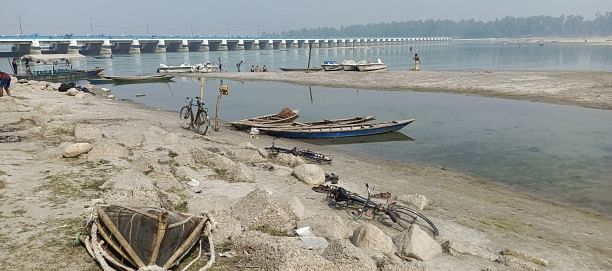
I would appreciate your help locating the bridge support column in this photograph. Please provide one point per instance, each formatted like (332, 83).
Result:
(161, 46)
(135, 47)
(204, 47)
(73, 47)
(282, 45)
(223, 46)
(184, 47)
(240, 45)
(107, 48)
(35, 48)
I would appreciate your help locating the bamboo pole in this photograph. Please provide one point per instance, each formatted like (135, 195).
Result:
(196, 232)
(162, 225)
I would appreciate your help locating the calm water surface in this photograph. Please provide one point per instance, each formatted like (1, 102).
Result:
(560, 152)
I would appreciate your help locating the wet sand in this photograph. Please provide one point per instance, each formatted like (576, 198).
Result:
(587, 89)
(43, 197)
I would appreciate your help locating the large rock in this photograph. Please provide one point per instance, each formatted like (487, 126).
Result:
(416, 200)
(72, 92)
(77, 149)
(258, 211)
(416, 243)
(87, 133)
(80, 95)
(309, 174)
(369, 236)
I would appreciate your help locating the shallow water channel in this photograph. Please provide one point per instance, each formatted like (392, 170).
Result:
(556, 151)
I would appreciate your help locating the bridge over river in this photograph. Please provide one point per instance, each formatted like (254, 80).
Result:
(136, 45)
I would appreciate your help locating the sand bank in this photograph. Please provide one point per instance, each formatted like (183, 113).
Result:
(141, 157)
(587, 89)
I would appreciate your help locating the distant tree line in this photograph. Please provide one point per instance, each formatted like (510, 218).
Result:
(534, 26)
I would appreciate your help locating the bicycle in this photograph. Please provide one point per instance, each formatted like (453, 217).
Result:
(399, 214)
(307, 154)
(200, 121)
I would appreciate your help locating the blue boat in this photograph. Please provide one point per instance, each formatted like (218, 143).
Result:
(335, 131)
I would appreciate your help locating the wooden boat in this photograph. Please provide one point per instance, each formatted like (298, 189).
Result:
(284, 116)
(330, 65)
(366, 66)
(335, 131)
(300, 69)
(54, 67)
(140, 78)
(344, 121)
(183, 68)
(103, 57)
(146, 238)
(349, 65)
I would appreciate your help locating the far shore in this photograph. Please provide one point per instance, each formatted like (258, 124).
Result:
(591, 89)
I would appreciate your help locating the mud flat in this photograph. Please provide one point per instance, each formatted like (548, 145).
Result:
(587, 89)
(138, 156)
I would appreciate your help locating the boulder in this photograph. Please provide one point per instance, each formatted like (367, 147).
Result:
(77, 149)
(309, 174)
(72, 92)
(416, 200)
(289, 159)
(416, 243)
(369, 236)
(263, 153)
(87, 133)
(80, 95)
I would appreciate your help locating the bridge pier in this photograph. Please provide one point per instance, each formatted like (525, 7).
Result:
(107, 48)
(223, 46)
(240, 45)
(282, 45)
(135, 47)
(35, 48)
(73, 47)
(160, 47)
(184, 47)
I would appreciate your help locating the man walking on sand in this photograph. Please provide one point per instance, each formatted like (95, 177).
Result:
(417, 62)
(5, 83)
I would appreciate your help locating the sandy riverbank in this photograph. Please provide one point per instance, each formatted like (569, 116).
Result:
(588, 89)
(141, 157)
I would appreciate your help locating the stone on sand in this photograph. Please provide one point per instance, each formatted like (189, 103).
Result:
(416, 243)
(370, 236)
(309, 174)
(77, 149)
(72, 92)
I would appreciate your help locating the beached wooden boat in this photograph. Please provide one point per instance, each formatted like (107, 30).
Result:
(344, 121)
(335, 131)
(367, 66)
(301, 69)
(54, 67)
(146, 238)
(140, 78)
(284, 116)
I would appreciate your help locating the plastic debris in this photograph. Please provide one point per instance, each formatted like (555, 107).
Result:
(311, 240)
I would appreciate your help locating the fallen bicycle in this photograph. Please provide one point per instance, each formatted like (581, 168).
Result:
(307, 154)
(365, 207)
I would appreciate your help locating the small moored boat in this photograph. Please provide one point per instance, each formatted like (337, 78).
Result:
(140, 78)
(366, 66)
(183, 68)
(349, 65)
(285, 116)
(54, 67)
(331, 65)
(335, 131)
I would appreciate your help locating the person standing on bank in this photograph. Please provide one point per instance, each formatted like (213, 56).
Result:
(14, 64)
(5, 83)
(417, 62)
(220, 65)
(238, 65)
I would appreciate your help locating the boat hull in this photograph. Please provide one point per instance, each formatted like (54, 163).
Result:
(300, 69)
(331, 67)
(371, 67)
(262, 121)
(74, 74)
(139, 79)
(339, 131)
(349, 67)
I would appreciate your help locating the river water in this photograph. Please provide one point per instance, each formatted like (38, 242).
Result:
(555, 151)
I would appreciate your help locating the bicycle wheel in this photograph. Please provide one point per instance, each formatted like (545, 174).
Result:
(185, 117)
(402, 213)
(202, 122)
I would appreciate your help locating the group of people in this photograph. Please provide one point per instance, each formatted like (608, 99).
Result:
(254, 68)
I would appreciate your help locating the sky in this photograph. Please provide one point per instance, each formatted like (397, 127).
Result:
(250, 17)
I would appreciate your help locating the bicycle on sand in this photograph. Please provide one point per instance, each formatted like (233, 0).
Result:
(199, 121)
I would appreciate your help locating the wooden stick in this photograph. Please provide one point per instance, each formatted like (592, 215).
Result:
(112, 243)
(162, 225)
(120, 238)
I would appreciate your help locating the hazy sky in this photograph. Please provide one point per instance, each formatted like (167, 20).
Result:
(243, 17)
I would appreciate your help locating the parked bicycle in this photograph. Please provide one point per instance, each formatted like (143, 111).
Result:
(307, 154)
(365, 207)
(198, 121)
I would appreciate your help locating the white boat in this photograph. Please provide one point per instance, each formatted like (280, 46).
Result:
(366, 66)
(205, 68)
(183, 68)
(331, 65)
(349, 65)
